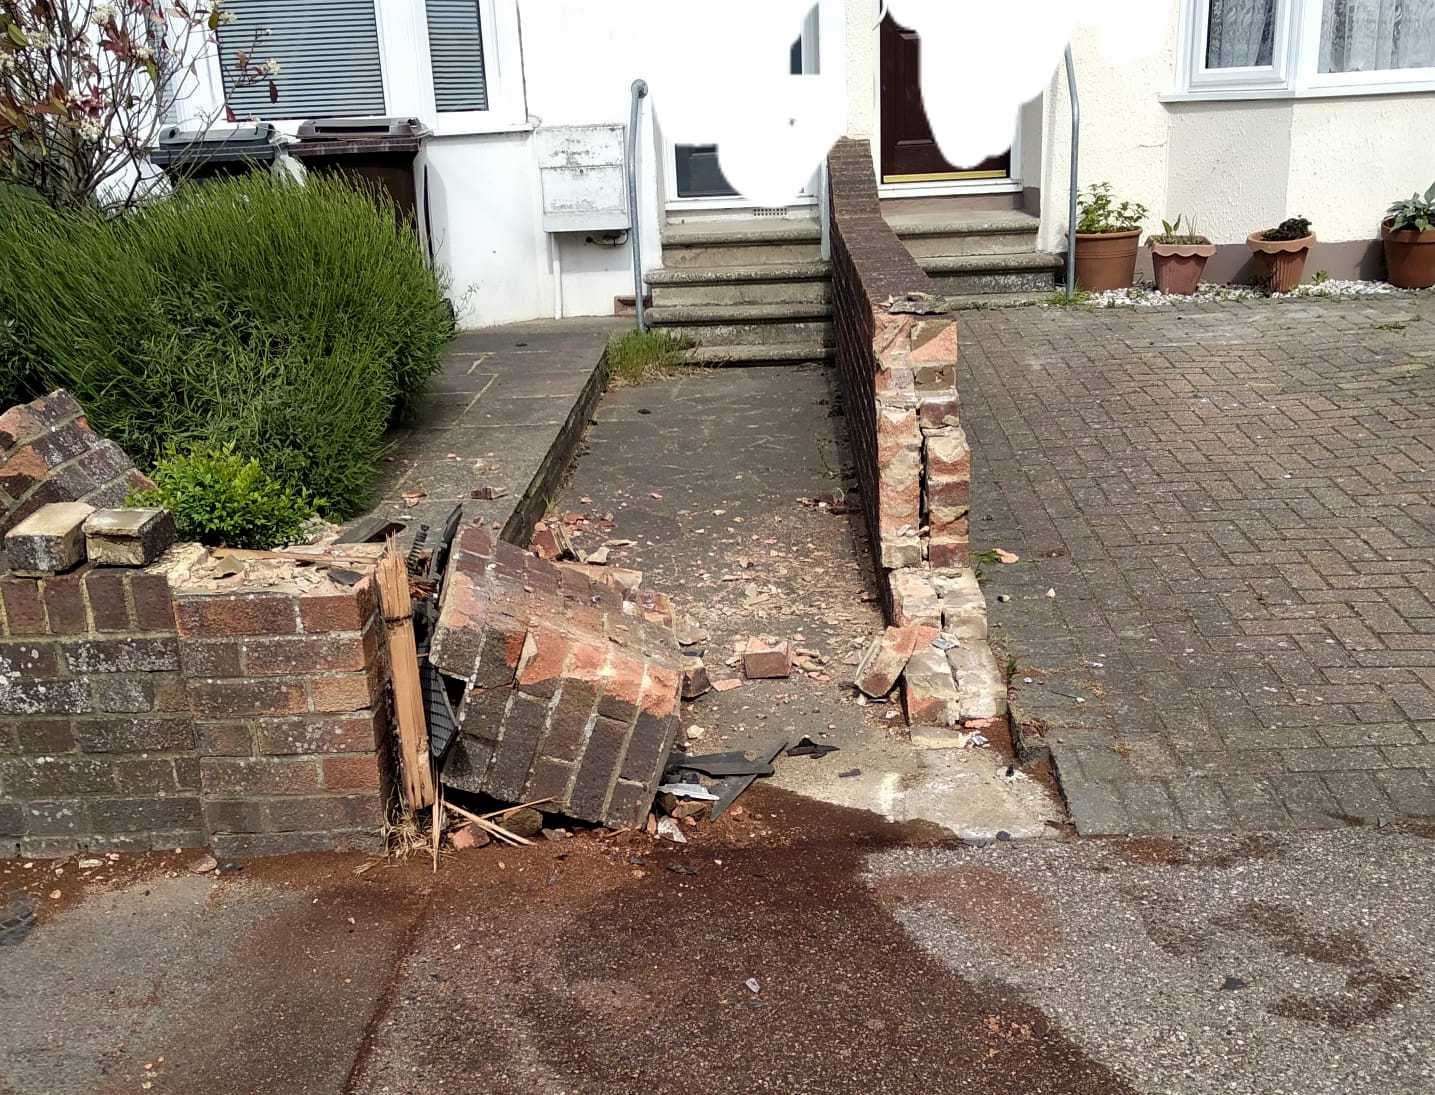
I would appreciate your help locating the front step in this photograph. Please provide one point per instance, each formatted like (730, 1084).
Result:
(777, 353)
(1025, 272)
(704, 244)
(746, 324)
(965, 232)
(766, 283)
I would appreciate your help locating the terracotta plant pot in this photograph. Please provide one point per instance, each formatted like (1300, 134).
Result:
(1106, 260)
(1409, 256)
(1179, 266)
(1280, 263)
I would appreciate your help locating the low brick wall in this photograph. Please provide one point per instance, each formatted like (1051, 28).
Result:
(897, 354)
(192, 702)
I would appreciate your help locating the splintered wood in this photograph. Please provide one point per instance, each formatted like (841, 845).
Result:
(408, 694)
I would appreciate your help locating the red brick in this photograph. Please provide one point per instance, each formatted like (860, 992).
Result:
(220, 616)
(298, 736)
(109, 607)
(24, 608)
(570, 720)
(224, 739)
(523, 726)
(45, 736)
(623, 676)
(308, 654)
(65, 603)
(886, 657)
(342, 693)
(598, 769)
(28, 658)
(241, 776)
(540, 671)
(949, 553)
(154, 608)
(351, 773)
(212, 657)
(549, 779)
(226, 699)
(347, 611)
(764, 658)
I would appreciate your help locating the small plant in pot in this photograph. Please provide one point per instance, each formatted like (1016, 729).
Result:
(1280, 253)
(1179, 258)
(1108, 235)
(1409, 236)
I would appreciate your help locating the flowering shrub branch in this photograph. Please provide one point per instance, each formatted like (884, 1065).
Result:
(85, 87)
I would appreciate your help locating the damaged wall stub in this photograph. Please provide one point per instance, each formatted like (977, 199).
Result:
(48, 453)
(572, 683)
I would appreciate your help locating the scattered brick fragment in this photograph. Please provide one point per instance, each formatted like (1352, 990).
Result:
(765, 658)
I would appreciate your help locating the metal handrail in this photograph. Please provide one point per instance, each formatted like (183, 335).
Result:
(1075, 151)
(640, 92)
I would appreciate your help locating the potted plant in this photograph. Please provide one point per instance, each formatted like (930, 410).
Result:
(1280, 253)
(1409, 235)
(1107, 237)
(1179, 257)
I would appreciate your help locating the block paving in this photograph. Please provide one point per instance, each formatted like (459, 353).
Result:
(1234, 507)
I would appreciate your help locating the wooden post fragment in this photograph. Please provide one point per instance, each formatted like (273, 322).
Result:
(393, 577)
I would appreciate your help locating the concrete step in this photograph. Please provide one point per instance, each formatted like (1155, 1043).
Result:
(774, 353)
(747, 324)
(741, 242)
(770, 283)
(974, 301)
(965, 232)
(1029, 271)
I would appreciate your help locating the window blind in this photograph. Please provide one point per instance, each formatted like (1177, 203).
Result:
(456, 53)
(328, 53)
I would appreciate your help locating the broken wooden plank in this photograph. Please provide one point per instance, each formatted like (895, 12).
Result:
(414, 762)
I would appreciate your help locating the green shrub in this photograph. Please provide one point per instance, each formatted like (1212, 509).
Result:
(638, 356)
(296, 323)
(220, 497)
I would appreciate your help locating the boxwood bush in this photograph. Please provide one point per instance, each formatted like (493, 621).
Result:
(293, 323)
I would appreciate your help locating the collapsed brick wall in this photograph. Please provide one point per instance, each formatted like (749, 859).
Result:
(48, 453)
(170, 706)
(572, 682)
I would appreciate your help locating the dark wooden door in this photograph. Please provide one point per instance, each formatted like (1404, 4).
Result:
(909, 151)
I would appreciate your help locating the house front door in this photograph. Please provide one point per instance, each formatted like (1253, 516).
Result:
(909, 151)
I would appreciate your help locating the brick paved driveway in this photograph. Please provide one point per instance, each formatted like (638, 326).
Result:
(1235, 507)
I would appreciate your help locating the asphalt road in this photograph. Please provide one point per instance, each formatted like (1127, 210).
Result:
(885, 959)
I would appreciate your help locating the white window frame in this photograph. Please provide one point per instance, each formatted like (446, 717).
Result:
(408, 73)
(1293, 73)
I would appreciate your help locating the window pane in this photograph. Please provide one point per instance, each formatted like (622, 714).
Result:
(456, 52)
(328, 54)
(1242, 34)
(1371, 35)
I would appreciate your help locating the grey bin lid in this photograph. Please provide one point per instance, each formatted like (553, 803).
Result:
(325, 135)
(256, 143)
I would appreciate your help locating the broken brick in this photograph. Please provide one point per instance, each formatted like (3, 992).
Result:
(887, 656)
(695, 678)
(765, 658)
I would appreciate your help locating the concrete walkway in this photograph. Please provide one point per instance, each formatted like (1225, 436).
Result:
(1224, 616)
(501, 420)
(722, 481)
